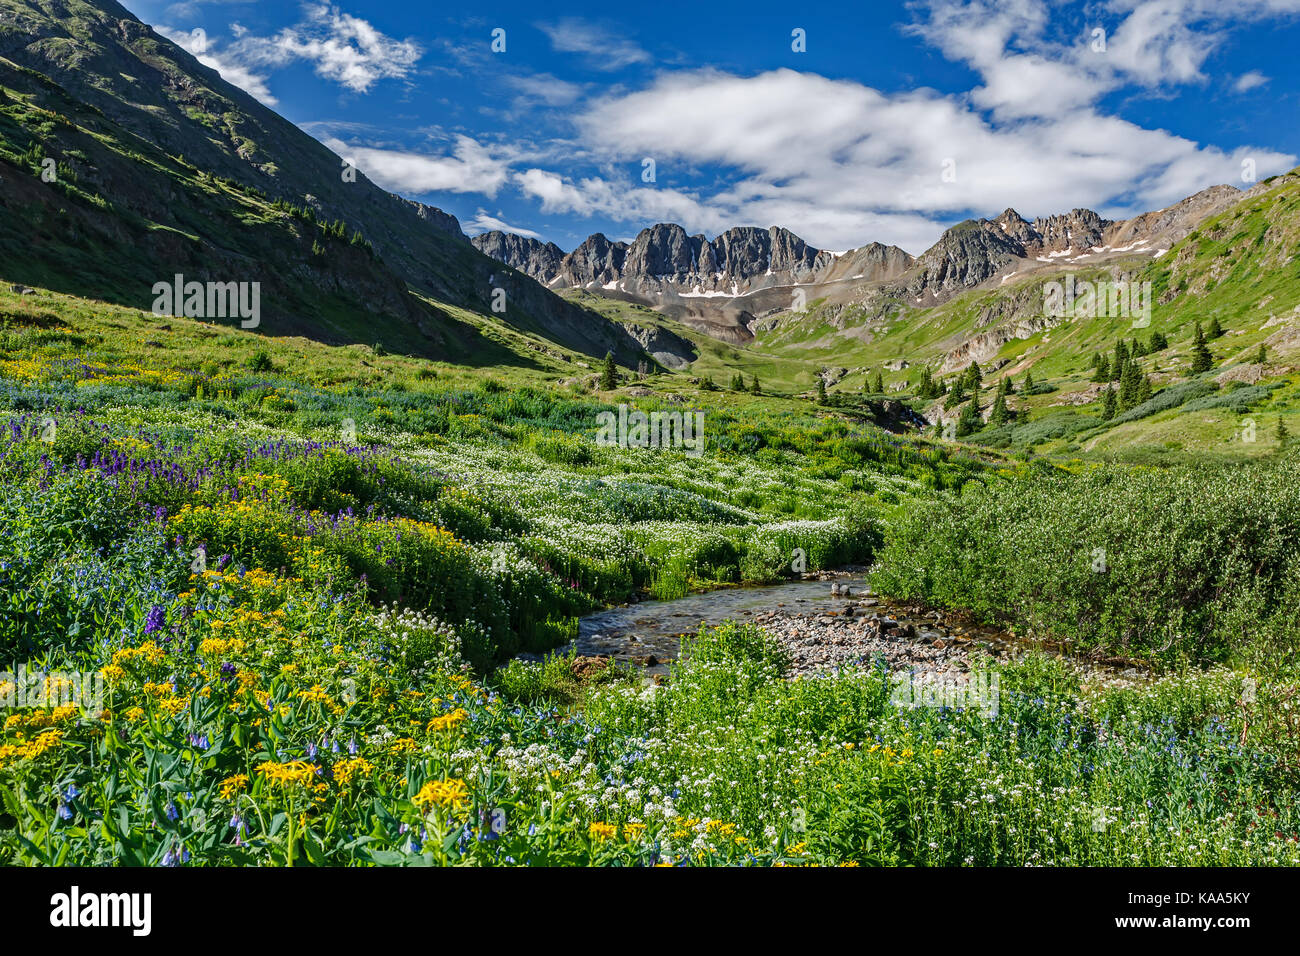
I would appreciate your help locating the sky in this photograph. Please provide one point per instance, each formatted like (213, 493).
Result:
(845, 123)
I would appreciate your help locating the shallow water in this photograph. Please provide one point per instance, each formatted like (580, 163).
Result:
(654, 628)
(649, 634)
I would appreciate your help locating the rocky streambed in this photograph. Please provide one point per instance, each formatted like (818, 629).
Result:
(826, 622)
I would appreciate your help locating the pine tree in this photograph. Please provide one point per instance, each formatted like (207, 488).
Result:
(756, 389)
(1214, 330)
(738, 382)
(609, 374)
(957, 395)
(974, 377)
(1158, 343)
(1108, 404)
(1282, 432)
(1103, 371)
(1202, 360)
(1262, 355)
(969, 420)
(878, 386)
(821, 390)
(1144, 389)
(1028, 387)
(1129, 386)
(925, 386)
(1000, 413)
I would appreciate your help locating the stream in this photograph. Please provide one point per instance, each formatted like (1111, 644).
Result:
(825, 623)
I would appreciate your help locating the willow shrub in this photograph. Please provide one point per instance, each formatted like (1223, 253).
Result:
(1197, 563)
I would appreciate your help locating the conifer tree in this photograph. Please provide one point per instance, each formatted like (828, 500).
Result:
(1202, 360)
(878, 386)
(957, 395)
(1108, 404)
(609, 374)
(1129, 385)
(1000, 414)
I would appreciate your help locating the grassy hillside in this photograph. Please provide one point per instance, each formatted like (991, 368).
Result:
(158, 167)
(297, 568)
(1237, 271)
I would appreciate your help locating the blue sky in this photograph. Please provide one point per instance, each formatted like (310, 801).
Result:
(894, 122)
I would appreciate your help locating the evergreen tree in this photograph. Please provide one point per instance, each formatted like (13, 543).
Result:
(1262, 355)
(957, 395)
(1144, 389)
(1000, 413)
(1282, 432)
(1213, 330)
(1202, 360)
(1158, 343)
(756, 389)
(1129, 386)
(925, 387)
(878, 386)
(609, 374)
(1108, 404)
(821, 390)
(1028, 387)
(1103, 371)
(969, 420)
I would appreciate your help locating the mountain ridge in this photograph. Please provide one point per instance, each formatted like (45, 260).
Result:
(171, 169)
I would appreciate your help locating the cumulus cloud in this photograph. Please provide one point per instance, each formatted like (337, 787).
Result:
(842, 163)
(470, 168)
(342, 48)
(1249, 81)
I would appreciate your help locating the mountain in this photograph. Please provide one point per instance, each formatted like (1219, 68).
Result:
(717, 286)
(746, 278)
(164, 168)
(663, 259)
(975, 251)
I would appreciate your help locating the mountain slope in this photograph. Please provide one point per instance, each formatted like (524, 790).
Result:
(166, 168)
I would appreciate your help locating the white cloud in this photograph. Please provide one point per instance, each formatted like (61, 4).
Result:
(545, 89)
(483, 222)
(471, 167)
(605, 49)
(231, 70)
(842, 164)
(343, 48)
(1249, 81)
